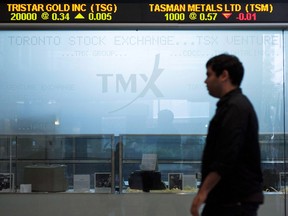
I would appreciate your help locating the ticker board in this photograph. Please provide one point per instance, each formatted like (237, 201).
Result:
(186, 12)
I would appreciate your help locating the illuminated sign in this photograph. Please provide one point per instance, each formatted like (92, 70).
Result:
(140, 12)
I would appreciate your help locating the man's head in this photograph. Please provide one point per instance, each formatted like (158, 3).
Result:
(224, 73)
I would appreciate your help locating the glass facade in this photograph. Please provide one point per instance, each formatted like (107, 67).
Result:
(131, 82)
(145, 88)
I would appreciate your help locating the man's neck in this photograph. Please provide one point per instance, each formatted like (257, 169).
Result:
(228, 89)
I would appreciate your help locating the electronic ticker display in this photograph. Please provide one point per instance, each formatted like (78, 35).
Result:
(188, 12)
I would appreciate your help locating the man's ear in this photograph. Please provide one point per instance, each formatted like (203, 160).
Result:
(225, 75)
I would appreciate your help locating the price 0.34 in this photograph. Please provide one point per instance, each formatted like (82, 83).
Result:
(60, 16)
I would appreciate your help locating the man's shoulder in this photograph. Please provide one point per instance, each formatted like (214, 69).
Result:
(241, 101)
(239, 97)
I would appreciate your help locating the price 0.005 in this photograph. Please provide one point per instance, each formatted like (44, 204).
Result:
(100, 16)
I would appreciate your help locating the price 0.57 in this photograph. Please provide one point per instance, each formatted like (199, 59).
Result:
(207, 16)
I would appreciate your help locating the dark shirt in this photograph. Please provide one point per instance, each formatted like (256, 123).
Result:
(232, 150)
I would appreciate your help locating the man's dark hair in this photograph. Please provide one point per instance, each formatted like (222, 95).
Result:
(230, 63)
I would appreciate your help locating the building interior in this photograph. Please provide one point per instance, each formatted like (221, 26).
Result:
(84, 108)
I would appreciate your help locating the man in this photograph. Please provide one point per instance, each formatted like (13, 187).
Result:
(231, 171)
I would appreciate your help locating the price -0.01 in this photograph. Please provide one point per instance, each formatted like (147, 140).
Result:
(247, 16)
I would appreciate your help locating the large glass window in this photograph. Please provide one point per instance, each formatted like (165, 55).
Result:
(135, 85)
(140, 82)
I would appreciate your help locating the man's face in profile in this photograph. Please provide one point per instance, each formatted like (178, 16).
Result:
(213, 83)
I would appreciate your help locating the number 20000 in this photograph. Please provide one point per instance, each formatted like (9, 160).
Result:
(23, 16)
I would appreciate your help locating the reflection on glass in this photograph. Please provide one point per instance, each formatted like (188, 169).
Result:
(116, 82)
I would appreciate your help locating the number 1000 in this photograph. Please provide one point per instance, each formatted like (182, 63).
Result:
(175, 16)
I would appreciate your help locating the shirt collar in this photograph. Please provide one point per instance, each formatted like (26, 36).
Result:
(227, 96)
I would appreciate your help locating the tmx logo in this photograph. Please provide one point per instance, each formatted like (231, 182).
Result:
(132, 81)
